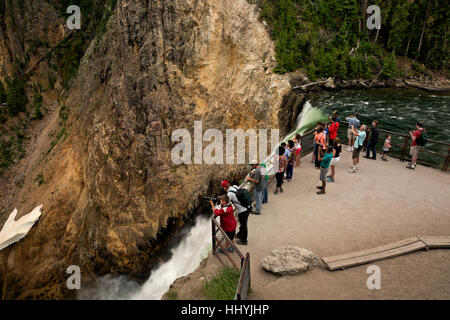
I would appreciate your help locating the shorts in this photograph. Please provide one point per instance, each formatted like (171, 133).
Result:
(323, 174)
(356, 152)
(414, 151)
(231, 234)
(335, 161)
(297, 151)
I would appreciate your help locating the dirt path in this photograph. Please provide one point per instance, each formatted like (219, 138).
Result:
(383, 203)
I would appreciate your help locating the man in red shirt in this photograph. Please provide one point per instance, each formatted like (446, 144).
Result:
(333, 131)
(414, 151)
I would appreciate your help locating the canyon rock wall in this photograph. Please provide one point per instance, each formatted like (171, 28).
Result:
(111, 189)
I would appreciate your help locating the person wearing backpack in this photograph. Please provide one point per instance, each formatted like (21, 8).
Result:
(242, 209)
(419, 138)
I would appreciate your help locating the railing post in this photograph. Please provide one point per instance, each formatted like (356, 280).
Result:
(447, 160)
(405, 147)
(213, 227)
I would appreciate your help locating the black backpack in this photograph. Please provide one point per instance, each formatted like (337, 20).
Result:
(422, 139)
(244, 197)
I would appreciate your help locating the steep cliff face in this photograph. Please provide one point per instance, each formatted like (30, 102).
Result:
(24, 27)
(111, 189)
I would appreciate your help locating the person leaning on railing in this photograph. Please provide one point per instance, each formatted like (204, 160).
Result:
(227, 222)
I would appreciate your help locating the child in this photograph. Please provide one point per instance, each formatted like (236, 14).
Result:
(337, 148)
(298, 149)
(227, 220)
(386, 147)
(324, 165)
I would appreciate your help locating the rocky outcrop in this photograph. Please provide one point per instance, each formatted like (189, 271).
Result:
(111, 190)
(289, 260)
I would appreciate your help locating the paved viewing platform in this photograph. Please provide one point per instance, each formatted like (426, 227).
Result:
(384, 202)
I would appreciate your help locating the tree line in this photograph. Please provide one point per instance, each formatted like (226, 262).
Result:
(330, 37)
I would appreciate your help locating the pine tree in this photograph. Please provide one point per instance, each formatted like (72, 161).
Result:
(16, 97)
(2, 93)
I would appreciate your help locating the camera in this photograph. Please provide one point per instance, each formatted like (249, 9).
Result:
(216, 201)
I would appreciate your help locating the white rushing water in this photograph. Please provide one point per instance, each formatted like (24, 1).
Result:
(185, 258)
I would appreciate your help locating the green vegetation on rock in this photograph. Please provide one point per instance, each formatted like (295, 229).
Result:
(222, 286)
(68, 54)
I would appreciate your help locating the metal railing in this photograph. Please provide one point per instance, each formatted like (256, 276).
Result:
(401, 142)
(233, 258)
(243, 287)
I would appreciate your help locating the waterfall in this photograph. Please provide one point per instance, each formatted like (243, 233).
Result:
(306, 120)
(185, 258)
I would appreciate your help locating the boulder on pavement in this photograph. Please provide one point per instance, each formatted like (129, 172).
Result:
(289, 260)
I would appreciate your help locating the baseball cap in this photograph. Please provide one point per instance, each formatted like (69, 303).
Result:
(224, 183)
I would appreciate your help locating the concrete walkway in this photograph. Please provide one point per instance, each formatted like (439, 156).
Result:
(383, 203)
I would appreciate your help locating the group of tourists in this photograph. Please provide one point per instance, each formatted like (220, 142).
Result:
(327, 144)
(285, 159)
(326, 155)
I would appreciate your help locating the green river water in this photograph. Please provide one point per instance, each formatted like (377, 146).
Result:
(396, 110)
